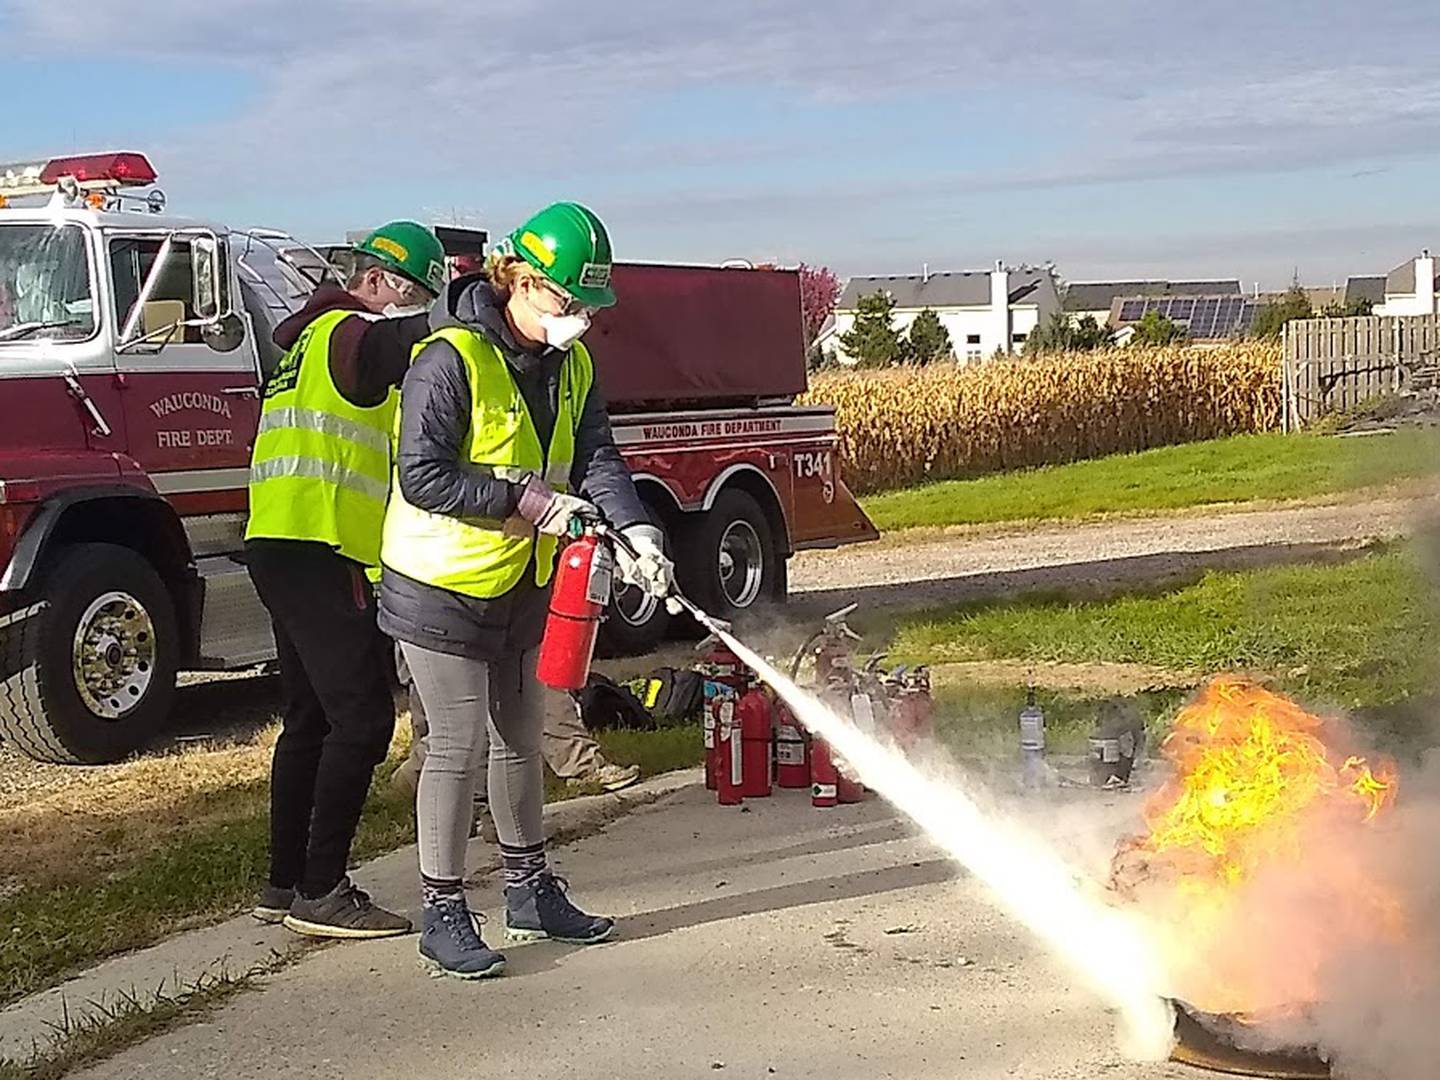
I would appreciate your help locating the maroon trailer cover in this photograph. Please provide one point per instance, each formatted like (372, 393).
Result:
(695, 335)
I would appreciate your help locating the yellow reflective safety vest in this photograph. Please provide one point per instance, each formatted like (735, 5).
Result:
(483, 558)
(321, 466)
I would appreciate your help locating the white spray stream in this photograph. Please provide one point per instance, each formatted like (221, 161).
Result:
(1027, 879)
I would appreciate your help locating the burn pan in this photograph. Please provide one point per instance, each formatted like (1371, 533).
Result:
(1212, 1041)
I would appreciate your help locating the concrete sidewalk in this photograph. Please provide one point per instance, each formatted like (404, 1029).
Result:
(776, 940)
(240, 944)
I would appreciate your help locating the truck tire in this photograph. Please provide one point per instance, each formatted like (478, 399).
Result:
(89, 676)
(731, 562)
(634, 623)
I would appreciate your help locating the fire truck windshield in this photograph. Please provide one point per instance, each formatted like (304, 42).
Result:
(45, 283)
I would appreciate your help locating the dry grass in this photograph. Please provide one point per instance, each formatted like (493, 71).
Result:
(907, 426)
(103, 819)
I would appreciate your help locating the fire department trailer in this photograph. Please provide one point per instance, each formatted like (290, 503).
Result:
(132, 350)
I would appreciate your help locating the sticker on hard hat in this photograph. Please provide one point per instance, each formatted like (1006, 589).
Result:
(390, 247)
(435, 275)
(537, 247)
(595, 276)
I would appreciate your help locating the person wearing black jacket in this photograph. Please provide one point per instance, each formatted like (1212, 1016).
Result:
(319, 478)
(503, 442)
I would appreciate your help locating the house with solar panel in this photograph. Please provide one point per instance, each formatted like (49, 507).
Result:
(1206, 318)
(1096, 299)
(985, 311)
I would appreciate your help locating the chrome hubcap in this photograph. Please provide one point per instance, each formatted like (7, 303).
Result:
(633, 605)
(742, 564)
(114, 655)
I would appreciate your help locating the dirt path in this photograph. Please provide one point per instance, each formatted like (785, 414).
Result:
(1100, 556)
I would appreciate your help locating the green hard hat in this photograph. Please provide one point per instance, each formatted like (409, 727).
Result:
(410, 249)
(569, 245)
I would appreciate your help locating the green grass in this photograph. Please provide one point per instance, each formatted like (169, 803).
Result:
(1245, 468)
(1356, 634)
(51, 928)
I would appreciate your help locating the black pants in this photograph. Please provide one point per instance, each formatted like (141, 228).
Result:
(338, 710)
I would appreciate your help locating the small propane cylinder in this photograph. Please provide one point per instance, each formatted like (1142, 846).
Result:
(1032, 740)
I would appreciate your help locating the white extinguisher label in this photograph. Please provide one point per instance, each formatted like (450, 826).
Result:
(824, 791)
(730, 733)
(789, 748)
(602, 574)
(709, 730)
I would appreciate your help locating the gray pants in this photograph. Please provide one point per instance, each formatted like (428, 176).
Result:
(567, 745)
(477, 712)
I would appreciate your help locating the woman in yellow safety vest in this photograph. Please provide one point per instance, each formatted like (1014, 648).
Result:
(503, 440)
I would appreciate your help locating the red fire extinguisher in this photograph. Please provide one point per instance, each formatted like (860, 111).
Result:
(729, 753)
(725, 677)
(912, 716)
(577, 600)
(824, 778)
(792, 765)
(752, 713)
(847, 788)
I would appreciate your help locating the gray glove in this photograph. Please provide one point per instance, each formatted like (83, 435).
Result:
(551, 511)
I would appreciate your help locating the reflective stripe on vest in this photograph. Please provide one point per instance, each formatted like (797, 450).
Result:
(321, 466)
(488, 559)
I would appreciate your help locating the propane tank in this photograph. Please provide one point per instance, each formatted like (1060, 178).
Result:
(1032, 740)
(577, 601)
(729, 750)
(725, 676)
(824, 778)
(1118, 739)
(792, 764)
(752, 713)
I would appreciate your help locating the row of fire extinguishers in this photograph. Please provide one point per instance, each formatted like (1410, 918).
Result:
(753, 742)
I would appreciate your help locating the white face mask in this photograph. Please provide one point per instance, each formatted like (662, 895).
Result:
(562, 331)
(395, 311)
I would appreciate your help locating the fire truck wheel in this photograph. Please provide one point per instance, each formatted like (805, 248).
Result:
(90, 676)
(731, 562)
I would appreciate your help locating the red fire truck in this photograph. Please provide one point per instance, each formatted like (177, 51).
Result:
(132, 350)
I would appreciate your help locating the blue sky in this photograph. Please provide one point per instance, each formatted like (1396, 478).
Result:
(1118, 138)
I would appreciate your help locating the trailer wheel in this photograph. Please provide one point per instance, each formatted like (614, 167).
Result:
(89, 675)
(731, 561)
(635, 623)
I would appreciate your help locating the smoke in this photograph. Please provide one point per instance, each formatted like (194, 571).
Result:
(1104, 946)
(1378, 1011)
(1334, 945)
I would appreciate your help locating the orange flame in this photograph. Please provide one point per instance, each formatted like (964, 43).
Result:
(1255, 781)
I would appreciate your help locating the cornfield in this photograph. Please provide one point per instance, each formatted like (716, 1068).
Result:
(906, 426)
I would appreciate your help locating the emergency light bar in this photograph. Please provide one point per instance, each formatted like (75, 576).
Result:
(92, 172)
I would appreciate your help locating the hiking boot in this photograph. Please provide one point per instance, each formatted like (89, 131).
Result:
(274, 904)
(608, 777)
(344, 912)
(450, 943)
(541, 909)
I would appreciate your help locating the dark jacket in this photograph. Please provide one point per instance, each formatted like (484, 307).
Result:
(368, 357)
(435, 410)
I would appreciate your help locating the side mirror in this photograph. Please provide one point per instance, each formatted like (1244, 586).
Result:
(225, 334)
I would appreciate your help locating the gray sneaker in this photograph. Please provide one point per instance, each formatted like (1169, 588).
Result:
(344, 912)
(274, 904)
